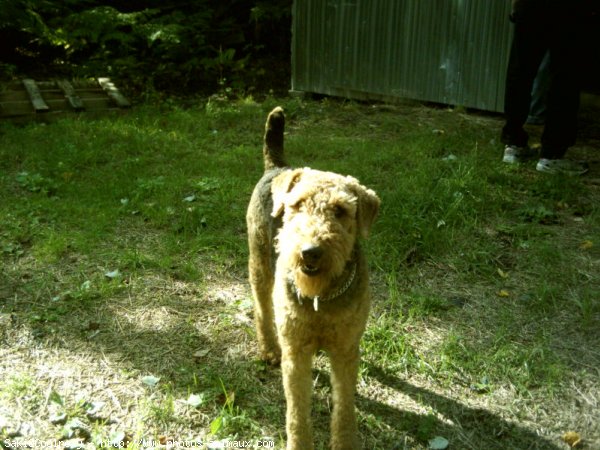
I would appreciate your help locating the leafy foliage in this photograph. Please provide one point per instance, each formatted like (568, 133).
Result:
(149, 45)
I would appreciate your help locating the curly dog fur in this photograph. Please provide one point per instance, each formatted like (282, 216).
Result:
(310, 282)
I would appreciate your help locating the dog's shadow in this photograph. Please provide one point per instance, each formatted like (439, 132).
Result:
(477, 428)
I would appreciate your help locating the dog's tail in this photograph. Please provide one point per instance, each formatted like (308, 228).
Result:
(273, 146)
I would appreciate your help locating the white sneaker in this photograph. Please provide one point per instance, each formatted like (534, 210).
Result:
(514, 154)
(562, 166)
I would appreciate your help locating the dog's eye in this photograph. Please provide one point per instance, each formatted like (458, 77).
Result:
(295, 207)
(339, 212)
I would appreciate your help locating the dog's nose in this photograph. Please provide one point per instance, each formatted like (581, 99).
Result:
(311, 253)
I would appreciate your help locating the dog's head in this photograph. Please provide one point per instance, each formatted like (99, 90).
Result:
(323, 215)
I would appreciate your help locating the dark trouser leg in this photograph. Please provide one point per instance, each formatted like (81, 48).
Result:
(539, 91)
(563, 96)
(527, 51)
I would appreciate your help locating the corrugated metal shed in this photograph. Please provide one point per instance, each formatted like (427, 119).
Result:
(446, 51)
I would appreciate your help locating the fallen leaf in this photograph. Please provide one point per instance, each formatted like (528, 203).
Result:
(216, 425)
(502, 273)
(586, 245)
(503, 293)
(243, 318)
(93, 410)
(119, 439)
(201, 353)
(150, 380)
(482, 387)
(572, 438)
(58, 419)
(195, 400)
(76, 428)
(227, 398)
(438, 443)
(166, 440)
(112, 274)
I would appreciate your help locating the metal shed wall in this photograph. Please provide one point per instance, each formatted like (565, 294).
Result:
(446, 51)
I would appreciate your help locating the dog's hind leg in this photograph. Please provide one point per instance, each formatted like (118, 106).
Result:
(261, 280)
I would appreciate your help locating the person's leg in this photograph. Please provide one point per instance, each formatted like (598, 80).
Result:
(563, 96)
(539, 93)
(528, 48)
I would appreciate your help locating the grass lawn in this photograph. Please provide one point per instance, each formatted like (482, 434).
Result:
(125, 314)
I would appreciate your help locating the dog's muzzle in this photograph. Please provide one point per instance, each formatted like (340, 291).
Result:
(311, 258)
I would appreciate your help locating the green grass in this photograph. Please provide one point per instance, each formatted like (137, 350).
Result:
(123, 255)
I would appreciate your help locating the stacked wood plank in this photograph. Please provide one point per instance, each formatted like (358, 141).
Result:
(43, 99)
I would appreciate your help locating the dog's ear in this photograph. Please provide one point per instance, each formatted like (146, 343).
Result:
(282, 184)
(367, 209)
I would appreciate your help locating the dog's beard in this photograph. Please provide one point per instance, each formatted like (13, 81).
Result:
(311, 285)
(317, 281)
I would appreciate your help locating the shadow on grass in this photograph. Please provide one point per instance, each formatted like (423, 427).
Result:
(168, 354)
(479, 427)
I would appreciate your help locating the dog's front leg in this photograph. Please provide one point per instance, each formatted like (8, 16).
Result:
(344, 372)
(296, 366)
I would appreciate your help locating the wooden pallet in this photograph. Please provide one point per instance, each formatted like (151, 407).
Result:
(30, 99)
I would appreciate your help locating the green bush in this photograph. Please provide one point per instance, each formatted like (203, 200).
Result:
(176, 47)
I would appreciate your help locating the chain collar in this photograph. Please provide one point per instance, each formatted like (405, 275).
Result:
(335, 294)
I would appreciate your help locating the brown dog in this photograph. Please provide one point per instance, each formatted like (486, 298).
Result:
(310, 282)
